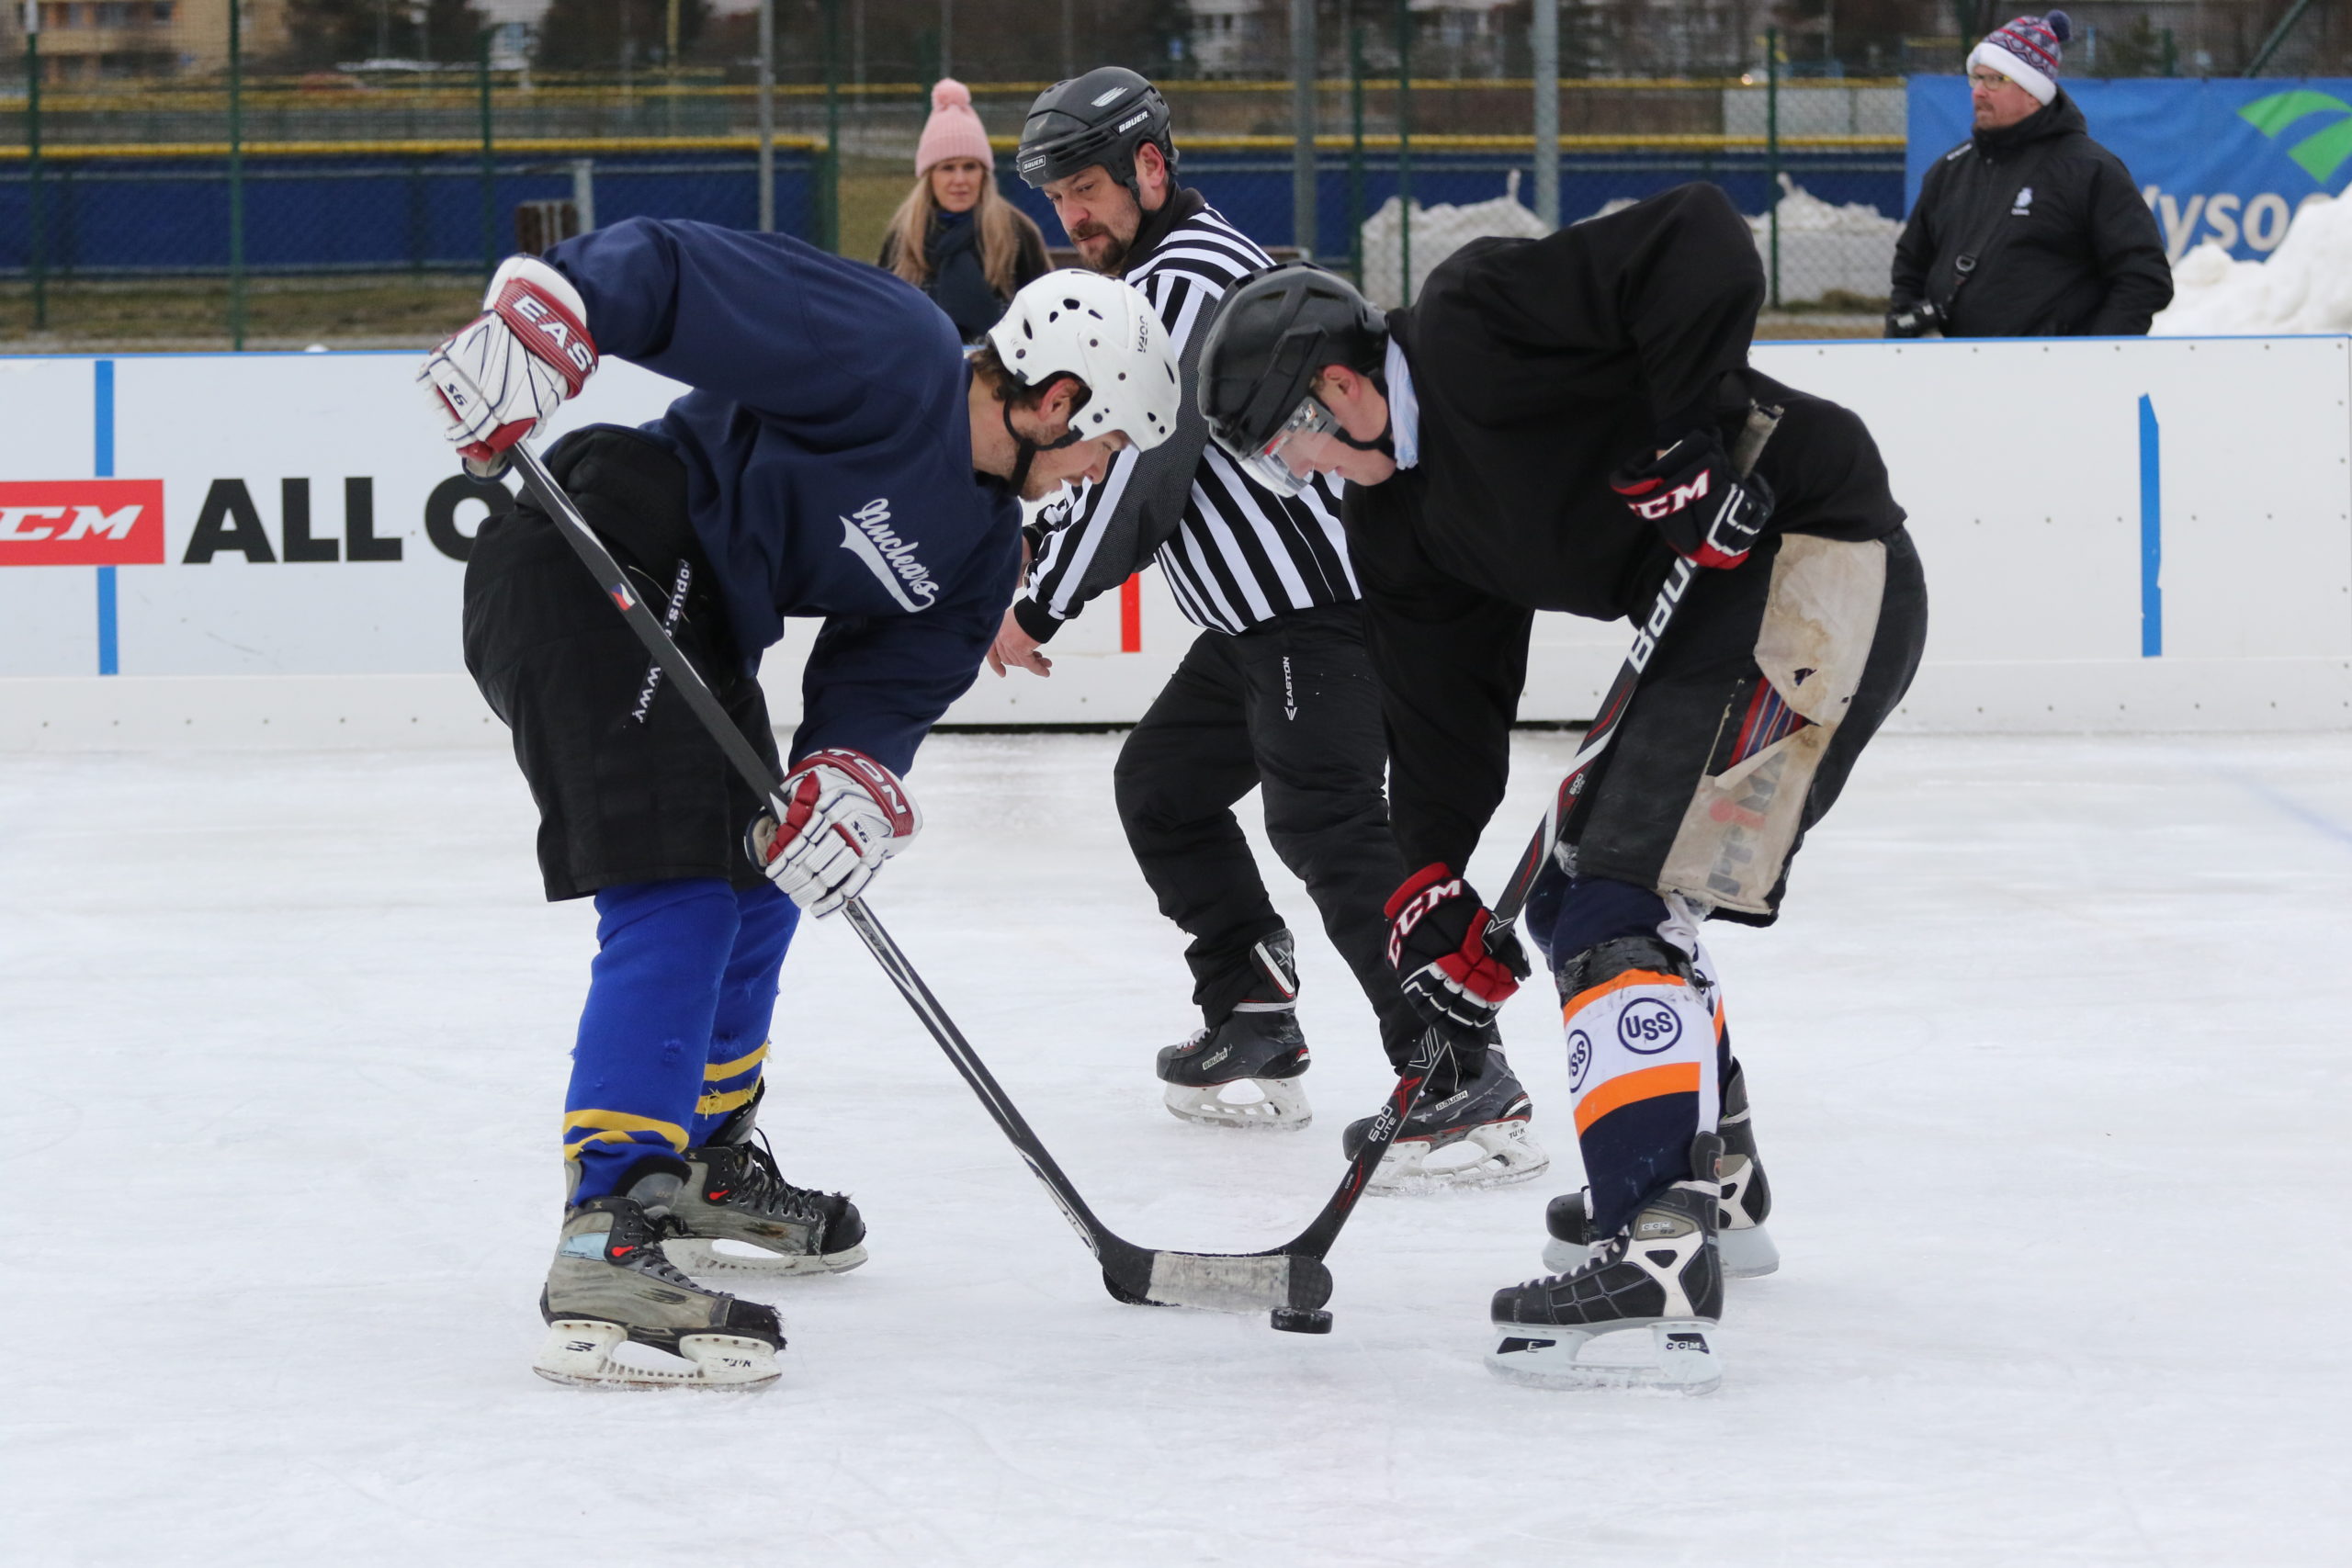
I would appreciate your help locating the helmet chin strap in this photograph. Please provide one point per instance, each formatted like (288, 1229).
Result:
(1025, 450)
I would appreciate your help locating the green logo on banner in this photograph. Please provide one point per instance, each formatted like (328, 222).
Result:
(2321, 154)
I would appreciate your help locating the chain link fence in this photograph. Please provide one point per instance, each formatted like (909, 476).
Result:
(273, 212)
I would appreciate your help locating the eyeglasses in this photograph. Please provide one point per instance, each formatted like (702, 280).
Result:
(1266, 464)
(1991, 81)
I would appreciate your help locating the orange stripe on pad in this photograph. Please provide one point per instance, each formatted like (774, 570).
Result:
(1629, 977)
(1649, 1083)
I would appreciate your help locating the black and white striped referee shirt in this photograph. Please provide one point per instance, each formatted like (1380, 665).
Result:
(1236, 555)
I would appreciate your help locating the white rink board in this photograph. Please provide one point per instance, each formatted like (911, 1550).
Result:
(2019, 462)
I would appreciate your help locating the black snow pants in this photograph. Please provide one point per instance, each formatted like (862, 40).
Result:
(1292, 708)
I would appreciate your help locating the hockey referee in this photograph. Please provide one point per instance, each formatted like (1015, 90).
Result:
(1276, 693)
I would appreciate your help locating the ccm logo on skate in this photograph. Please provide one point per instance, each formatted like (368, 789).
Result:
(1647, 1027)
(1513, 1346)
(81, 522)
(1688, 1342)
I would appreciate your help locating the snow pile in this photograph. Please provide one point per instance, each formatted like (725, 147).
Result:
(1847, 248)
(2305, 287)
(1437, 233)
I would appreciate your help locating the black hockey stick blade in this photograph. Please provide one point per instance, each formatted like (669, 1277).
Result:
(1289, 1277)
(1762, 420)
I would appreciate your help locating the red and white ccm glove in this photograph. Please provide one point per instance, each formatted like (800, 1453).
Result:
(507, 369)
(834, 821)
(1436, 944)
(1709, 515)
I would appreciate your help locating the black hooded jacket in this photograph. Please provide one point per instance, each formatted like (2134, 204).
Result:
(1539, 367)
(2065, 245)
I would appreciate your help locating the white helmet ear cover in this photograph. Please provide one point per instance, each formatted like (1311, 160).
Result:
(1105, 333)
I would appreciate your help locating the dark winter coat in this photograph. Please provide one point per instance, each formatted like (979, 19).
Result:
(959, 281)
(2065, 245)
(1539, 366)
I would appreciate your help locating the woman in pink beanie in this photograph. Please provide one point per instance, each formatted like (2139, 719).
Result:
(955, 237)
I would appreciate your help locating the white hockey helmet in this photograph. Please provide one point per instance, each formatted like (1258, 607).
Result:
(1105, 333)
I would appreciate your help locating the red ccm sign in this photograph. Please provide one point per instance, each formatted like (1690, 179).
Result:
(81, 522)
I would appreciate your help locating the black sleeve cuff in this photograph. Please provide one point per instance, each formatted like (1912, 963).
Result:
(1034, 620)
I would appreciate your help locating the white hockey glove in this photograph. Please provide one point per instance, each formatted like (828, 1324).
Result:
(834, 821)
(506, 370)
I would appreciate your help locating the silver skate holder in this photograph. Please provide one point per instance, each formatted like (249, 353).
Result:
(1682, 1357)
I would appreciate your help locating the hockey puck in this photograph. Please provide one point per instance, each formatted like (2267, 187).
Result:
(1302, 1320)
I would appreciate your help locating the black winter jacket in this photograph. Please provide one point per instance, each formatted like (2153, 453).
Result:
(959, 284)
(2066, 247)
(1539, 366)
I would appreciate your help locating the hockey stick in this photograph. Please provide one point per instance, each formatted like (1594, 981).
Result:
(1291, 1280)
(1762, 420)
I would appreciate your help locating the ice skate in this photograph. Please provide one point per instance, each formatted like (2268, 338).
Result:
(1244, 1072)
(611, 1289)
(1640, 1313)
(1474, 1137)
(1740, 1240)
(736, 1214)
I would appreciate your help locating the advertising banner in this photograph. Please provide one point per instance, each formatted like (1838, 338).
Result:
(2228, 161)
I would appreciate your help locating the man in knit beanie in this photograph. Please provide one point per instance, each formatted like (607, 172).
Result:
(2030, 228)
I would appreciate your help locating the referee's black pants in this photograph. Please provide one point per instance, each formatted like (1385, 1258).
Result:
(1291, 707)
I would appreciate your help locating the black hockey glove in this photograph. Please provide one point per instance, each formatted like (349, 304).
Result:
(1436, 944)
(1915, 320)
(1708, 514)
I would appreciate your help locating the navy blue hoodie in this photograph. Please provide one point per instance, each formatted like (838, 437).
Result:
(829, 463)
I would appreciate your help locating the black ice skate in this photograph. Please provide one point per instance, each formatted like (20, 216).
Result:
(1245, 1071)
(736, 1214)
(610, 1285)
(1740, 1239)
(1474, 1137)
(1660, 1274)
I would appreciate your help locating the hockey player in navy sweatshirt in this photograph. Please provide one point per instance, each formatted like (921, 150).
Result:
(840, 459)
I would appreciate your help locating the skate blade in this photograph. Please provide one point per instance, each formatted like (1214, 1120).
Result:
(1499, 1154)
(583, 1353)
(1674, 1355)
(703, 1257)
(1281, 1105)
(1747, 1253)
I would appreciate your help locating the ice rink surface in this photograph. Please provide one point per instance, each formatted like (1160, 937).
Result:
(2048, 1056)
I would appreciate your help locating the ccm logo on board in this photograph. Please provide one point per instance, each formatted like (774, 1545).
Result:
(81, 522)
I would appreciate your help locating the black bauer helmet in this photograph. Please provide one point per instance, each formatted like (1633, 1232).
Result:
(1100, 118)
(1271, 337)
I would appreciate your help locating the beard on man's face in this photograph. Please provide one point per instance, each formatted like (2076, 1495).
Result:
(1103, 257)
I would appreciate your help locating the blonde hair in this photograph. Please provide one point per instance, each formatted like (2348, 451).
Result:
(999, 234)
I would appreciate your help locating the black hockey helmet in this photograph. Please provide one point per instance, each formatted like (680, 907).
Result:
(1100, 118)
(1271, 336)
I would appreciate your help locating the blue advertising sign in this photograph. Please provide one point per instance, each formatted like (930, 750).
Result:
(2229, 161)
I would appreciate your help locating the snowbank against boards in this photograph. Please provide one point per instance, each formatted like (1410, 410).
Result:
(171, 567)
(2304, 285)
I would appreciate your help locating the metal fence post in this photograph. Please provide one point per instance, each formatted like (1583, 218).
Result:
(490, 245)
(1772, 149)
(830, 236)
(37, 234)
(768, 117)
(1355, 153)
(236, 176)
(1404, 151)
(1547, 112)
(1302, 164)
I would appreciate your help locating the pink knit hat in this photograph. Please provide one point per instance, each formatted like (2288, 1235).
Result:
(952, 131)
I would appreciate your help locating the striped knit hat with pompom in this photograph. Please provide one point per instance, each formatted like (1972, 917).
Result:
(2026, 51)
